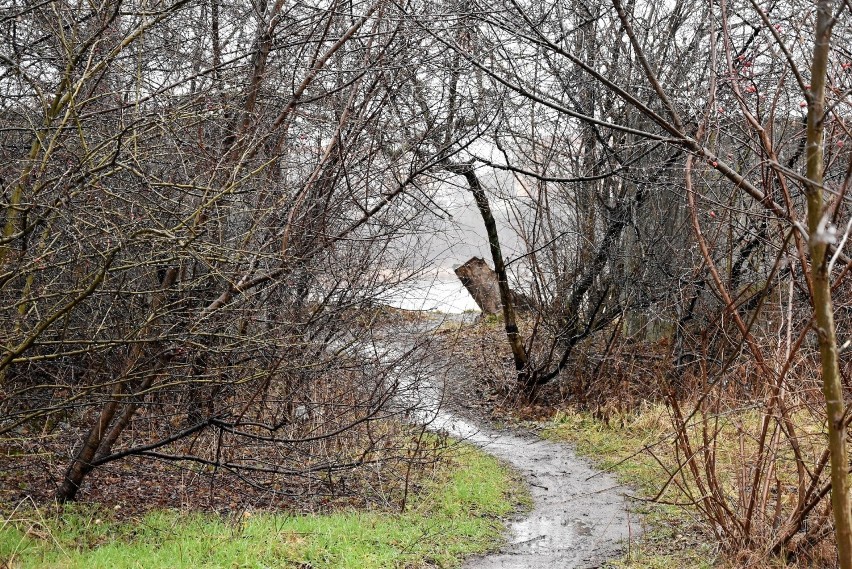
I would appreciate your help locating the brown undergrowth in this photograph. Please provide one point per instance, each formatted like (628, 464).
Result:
(385, 476)
(331, 433)
(725, 458)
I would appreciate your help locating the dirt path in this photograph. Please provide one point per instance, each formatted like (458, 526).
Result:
(579, 518)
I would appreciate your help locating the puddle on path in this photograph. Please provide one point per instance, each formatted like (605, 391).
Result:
(579, 518)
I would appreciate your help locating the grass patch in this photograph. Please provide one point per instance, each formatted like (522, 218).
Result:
(460, 511)
(636, 445)
(670, 539)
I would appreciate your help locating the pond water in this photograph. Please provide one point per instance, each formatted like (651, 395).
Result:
(442, 293)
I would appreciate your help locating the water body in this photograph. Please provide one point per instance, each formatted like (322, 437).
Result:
(442, 294)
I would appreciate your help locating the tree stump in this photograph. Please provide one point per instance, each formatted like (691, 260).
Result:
(481, 282)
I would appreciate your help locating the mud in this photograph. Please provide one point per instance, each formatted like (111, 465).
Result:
(580, 516)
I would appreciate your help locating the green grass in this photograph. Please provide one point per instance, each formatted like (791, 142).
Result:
(459, 512)
(669, 541)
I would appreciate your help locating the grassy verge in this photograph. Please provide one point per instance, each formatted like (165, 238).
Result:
(458, 513)
(670, 539)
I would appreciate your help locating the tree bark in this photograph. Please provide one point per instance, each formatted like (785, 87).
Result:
(516, 341)
(482, 283)
(823, 308)
(81, 466)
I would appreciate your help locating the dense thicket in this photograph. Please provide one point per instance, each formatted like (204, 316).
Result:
(200, 201)
(202, 197)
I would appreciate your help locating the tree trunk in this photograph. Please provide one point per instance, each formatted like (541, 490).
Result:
(516, 341)
(483, 284)
(82, 463)
(823, 309)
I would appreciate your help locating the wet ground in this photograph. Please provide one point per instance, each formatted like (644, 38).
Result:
(580, 516)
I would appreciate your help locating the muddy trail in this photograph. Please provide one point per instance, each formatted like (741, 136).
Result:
(579, 517)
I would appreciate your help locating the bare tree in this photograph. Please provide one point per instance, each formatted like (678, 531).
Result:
(658, 150)
(199, 200)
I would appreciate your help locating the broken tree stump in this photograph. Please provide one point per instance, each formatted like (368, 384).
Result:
(481, 282)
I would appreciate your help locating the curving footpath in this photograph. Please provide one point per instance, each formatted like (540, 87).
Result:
(580, 516)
